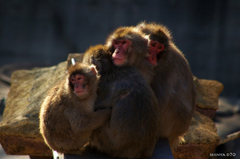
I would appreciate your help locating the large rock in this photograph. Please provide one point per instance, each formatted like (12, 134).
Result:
(20, 117)
(19, 129)
(208, 92)
(200, 140)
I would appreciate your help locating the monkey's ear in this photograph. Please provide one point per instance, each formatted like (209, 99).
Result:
(94, 69)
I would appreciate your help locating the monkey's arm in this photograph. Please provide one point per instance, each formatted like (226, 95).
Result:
(92, 121)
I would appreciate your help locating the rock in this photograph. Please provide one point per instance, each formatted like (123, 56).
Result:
(20, 124)
(27, 91)
(200, 140)
(208, 92)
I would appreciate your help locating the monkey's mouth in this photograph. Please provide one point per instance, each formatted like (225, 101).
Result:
(79, 92)
(115, 58)
(118, 61)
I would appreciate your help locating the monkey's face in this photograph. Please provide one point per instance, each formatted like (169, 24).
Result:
(128, 46)
(120, 55)
(159, 37)
(154, 48)
(79, 84)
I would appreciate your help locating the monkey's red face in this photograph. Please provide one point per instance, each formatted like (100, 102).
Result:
(79, 83)
(119, 56)
(154, 49)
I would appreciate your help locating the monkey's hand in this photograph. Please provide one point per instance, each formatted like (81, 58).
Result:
(105, 112)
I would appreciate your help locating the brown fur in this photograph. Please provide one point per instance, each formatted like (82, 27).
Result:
(137, 52)
(132, 131)
(172, 84)
(171, 80)
(67, 120)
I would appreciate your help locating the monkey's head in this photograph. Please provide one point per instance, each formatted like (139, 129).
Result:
(128, 46)
(82, 80)
(99, 56)
(159, 39)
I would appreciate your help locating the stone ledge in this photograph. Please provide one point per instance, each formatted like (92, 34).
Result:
(29, 88)
(201, 139)
(13, 145)
(208, 92)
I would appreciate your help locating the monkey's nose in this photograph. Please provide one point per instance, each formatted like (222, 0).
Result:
(76, 85)
(117, 50)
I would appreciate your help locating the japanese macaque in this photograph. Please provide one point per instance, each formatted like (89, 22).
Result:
(67, 116)
(171, 80)
(129, 47)
(132, 131)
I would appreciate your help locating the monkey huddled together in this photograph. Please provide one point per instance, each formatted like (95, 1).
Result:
(123, 97)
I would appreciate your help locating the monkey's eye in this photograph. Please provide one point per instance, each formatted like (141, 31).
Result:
(153, 44)
(79, 77)
(124, 42)
(72, 79)
(116, 42)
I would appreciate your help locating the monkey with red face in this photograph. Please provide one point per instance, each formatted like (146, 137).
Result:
(169, 75)
(67, 116)
(172, 83)
(129, 48)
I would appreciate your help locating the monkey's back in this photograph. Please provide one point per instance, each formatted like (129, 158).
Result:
(133, 128)
(174, 89)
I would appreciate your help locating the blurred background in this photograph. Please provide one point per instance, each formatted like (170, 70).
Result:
(44, 32)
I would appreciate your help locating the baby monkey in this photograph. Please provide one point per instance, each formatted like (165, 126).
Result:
(67, 116)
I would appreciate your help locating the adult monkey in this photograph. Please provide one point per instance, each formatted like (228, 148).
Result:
(132, 131)
(128, 47)
(172, 82)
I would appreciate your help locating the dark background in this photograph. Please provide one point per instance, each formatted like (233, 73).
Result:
(45, 31)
